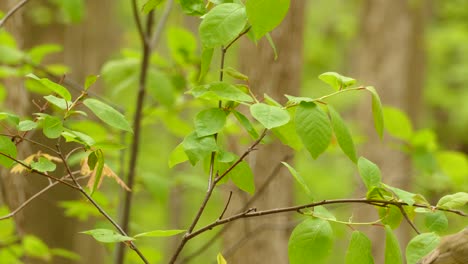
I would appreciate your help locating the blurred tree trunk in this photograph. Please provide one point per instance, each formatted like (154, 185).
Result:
(86, 47)
(390, 56)
(266, 238)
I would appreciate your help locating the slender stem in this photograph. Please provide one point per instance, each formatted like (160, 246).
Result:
(405, 215)
(32, 198)
(137, 18)
(12, 11)
(161, 24)
(253, 213)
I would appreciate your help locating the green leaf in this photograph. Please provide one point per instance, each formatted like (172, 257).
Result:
(245, 122)
(402, 195)
(453, 201)
(59, 102)
(342, 134)
(37, 53)
(242, 176)
(160, 86)
(300, 180)
(52, 126)
(14, 119)
(391, 216)
(313, 128)
(420, 246)
(10, 55)
(7, 147)
(265, 15)
(27, 125)
(370, 173)
(454, 164)
(377, 111)
(72, 10)
(54, 87)
(43, 165)
(209, 121)
(397, 123)
(222, 24)
(336, 80)
(160, 233)
(220, 259)
(206, 57)
(312, 237)
(60, 252)
(220, 91)
(197, 148)
(322, 213)
(294, 100)
(177, 156)
(287, 133)
(235, 74)
(75, 136)
(272, 45)
(35, 247)
(193, 7)
(392, 248)
(182, 44)
(90, 80)
(98, 170)
(150, 5)
(359, 249)
(107, 236)
(108, 114)
(269, 116)
(436, 221)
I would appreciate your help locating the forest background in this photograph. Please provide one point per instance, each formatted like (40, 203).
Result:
(412, 51)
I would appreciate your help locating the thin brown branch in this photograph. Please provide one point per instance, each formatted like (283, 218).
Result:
(405, 215)
(249, 213)
(237, 38)
(226, 206)
(139, 25)
(32, 198)
(12, 11)
(38, 172)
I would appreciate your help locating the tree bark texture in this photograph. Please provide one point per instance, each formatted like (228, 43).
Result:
(390, 56)
(264, 240)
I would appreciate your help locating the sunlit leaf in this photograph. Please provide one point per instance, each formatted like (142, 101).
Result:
(210, 121)
(392, 248)
(108, 114)
(300, 180)
(359, 249)
(269, 116)
(336, 80)
(27, 125)
(43, 165)
(342, 134)
(453, 201)
(52, 86)
(370, 173)
(420, 246)
(107, 236)
(377, 112)
(52, 126)
(160, 233)
(265, 15)
(7, 147)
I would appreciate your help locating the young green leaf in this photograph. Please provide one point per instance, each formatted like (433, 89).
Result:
(193, 7)
(177, 156)
(43, 165)
(90, 80)
(99, 167)
(108, 114)
(272, 45)
(377, 111)
(59, 102)
(390, 215)
(300, 180)
(209, 122)
(453, 201)
(54, 87)
(37, 53)
(342, 134)
(52, 126)
(220, 91)
(14, 119)
(7, 148)
(397, 123)
(107, 236)
(160, 233)
(269, 116)
(312, 237)
(197, 148)
(359, 249)
(245, 122)
(220, 259)
(392, 248)
(222, 24)
(369, 172)
(26, 125)
(242, 176)
(420, 246)
(265, 15)
(235, 74)
(206, 57)
(436, 221)
(34, 247)
(287, 133)
(66, 254)
(336, 80)
(454, 164)
(313, 127)
(150, 5)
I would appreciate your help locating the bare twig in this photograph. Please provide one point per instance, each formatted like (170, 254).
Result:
(405, 215)
(226, 206)
(161, 24)
(32, 198)
(12, 11)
